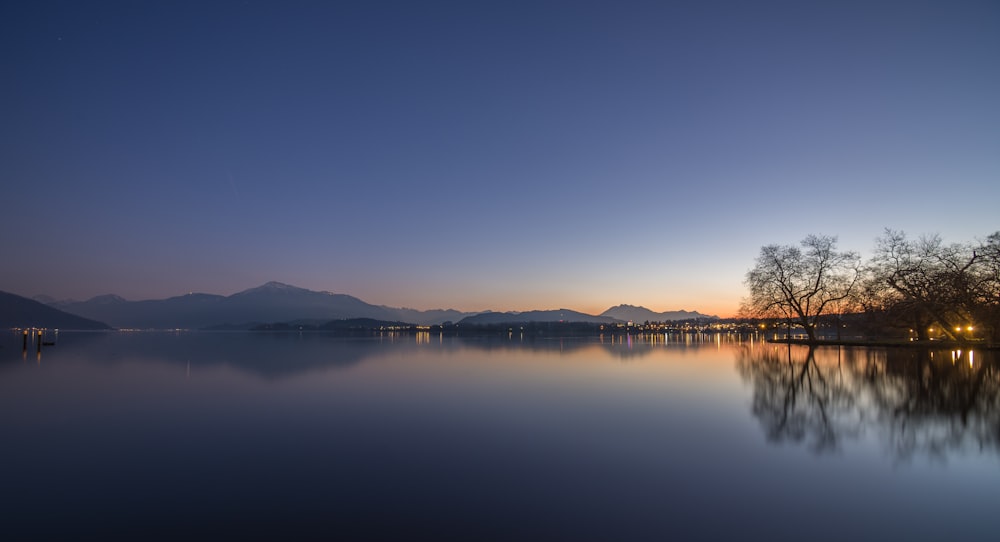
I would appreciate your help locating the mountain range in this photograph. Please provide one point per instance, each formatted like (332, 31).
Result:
(276, 302)
(17, 311)
(560, 315)
(269, 303)
(631, 313)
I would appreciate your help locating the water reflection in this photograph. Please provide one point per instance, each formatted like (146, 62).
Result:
(915, 402)
(912, 402)
(283, 355)
(396, 437)
(269, 356)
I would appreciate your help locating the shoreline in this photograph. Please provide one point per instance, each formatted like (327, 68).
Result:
(943, 344)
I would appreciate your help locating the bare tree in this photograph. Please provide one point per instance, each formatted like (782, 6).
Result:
(889, 312)
(801, 284)
(947, 284)
(985, 295)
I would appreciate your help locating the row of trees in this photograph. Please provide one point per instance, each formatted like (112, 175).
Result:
(920, 284)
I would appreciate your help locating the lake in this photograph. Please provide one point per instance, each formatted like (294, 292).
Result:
(171, 435)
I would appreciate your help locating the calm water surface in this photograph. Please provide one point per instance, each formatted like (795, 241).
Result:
(211, 434)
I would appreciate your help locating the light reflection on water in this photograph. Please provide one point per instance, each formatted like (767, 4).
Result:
(646, 437)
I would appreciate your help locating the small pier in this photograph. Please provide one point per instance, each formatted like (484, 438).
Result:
(37, 336)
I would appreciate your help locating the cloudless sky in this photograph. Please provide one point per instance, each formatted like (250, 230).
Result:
(483, 155)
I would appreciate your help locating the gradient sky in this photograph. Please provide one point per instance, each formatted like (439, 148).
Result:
(473, 155)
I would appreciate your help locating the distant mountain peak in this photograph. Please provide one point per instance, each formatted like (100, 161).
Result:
(634, 313)
(107, 299)
(556, 315)
(275, 285)
(272, 286)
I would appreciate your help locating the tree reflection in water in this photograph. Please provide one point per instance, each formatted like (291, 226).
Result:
(915, 401)
(797, 399)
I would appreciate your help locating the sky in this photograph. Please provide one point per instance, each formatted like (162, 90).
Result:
(483, 155)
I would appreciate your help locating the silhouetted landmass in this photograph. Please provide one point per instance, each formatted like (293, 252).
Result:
(272, 302)
(428, 317)
(277, 304)
(630, 313)
(560, 315)
(350, 326)
(17, 311)
(187, 311)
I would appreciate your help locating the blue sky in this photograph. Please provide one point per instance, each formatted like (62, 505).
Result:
(504, 155)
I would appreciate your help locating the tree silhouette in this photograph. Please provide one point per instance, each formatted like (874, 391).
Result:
(801, 283)
(954, 287)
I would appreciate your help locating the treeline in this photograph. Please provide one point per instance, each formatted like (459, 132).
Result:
(922, 286)
(934, 288)
(369, 326)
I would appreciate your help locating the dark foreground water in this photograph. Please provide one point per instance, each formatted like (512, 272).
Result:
(208, 435)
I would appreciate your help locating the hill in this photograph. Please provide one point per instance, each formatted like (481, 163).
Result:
(278, 302)
(17, 311)
(271, 302)
(559, 315)
(631, 313)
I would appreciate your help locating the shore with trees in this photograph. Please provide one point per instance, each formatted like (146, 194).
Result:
(921, 291)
